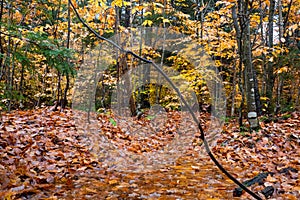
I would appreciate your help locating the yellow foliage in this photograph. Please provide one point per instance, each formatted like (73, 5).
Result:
(147, 23)
(137, 9)
(118, 3)
(282, 69)
(166, 21)
(218, 63)
(147, 14)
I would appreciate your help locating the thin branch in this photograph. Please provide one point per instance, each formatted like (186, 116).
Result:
(206, 145)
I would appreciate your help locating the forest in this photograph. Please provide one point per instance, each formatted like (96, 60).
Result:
(149, 99)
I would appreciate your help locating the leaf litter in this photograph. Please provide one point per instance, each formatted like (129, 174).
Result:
(42, 156)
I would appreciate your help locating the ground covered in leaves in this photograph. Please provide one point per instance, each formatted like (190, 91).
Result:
(42, 157)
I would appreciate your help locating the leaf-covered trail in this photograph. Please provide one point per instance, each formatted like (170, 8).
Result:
(42, 157)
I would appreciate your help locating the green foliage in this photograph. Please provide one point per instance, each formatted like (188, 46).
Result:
(38, 57)
(112, 121)
(55, 56)
(286, 116)
(287, 108)
(150, 117)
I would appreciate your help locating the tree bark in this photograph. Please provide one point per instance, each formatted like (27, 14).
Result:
(1, 45)
(270, 75)
(242, 27)
(64, 100)
(233, 91)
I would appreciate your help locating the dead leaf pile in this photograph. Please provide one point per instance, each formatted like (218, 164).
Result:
(43, 156)
(273, 148)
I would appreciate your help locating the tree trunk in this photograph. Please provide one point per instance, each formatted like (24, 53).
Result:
(1, 45)
(242, 27)
(127, 16)
(58, 91)
(64, 100)
(249, 78)
(233, 91)
(239, 42)
(280, 77)
(270, 75)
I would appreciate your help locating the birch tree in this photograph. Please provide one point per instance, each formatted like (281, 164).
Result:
(242, 27)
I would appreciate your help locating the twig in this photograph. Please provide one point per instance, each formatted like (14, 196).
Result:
(181, 97)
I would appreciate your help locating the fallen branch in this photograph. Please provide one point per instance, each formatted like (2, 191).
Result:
(259, 179)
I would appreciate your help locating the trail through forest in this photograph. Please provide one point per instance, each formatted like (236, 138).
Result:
(42, 156)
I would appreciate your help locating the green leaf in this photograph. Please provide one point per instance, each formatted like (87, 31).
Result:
(150, 117)
(112, 121)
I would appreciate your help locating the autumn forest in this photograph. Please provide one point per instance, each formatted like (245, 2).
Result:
(149, 99)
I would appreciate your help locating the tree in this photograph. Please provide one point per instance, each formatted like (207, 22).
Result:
(32, 35)
(242, 27)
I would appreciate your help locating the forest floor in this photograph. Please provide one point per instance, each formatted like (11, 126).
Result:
(43, 156)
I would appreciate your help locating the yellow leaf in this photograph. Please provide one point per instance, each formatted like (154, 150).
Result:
(109, 31)
(137, 9)
(117, 3)
(264, 98)
(218, 63)
(41, 29)
(147, 23)
(166, 21)
(113, 182)
(126, 3)
(147, 13)
(159, 5)
(271, 59)
(221, 2)
(283, 69)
